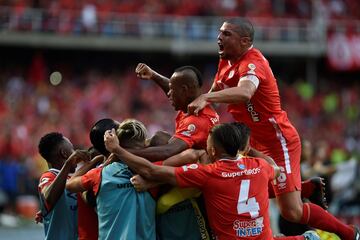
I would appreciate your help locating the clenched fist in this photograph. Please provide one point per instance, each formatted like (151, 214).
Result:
(143, 71)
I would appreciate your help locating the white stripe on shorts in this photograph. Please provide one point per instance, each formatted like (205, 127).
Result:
(283, 144)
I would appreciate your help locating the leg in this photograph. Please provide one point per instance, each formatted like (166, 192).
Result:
(292, 209)
(287, 188)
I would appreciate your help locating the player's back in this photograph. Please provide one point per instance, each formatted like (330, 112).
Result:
(237, 198)
(60, 221)
(123, 212)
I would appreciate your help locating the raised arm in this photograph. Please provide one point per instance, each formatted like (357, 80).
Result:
(74, 183)
(143, 71)
(140, 165)
(53, 192)
(161, 152)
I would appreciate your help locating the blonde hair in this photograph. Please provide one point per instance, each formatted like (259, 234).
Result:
(132, 129)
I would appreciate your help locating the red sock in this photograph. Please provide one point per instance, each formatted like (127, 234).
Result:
(290, 238)
(307, 188)
(316, 217)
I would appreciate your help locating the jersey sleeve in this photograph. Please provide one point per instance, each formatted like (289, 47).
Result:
(192, 130)
(45, 180)
(253, 70)
(192, 175)
(91, 180)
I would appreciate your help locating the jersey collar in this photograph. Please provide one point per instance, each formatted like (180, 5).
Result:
(252, 45)
(54, 170)
(240, 156)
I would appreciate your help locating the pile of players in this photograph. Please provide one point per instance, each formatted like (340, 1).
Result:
(208, 180)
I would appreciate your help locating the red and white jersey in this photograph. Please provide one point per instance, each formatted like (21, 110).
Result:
(236, 195)
(263, 113)
(194, 130)
(46, 179)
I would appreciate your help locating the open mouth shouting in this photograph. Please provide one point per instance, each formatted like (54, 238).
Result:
(221, 49)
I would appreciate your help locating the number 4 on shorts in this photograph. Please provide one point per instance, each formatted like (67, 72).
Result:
(246, 204)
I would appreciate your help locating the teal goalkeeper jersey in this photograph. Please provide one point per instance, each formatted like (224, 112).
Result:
(60, 220)
(123, 213)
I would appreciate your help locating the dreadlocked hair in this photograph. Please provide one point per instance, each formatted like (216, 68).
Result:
(131, 131)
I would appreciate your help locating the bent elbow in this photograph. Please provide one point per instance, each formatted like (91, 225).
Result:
(246, 96)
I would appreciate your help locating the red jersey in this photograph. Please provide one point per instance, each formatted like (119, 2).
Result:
(87, 220)
(91, 180)
(236, 195)
(263, 113)
(45, 180)
(194, 130)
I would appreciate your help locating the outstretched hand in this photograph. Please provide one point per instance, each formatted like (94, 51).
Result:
(197, 105)
(143, 71)
(111, 140)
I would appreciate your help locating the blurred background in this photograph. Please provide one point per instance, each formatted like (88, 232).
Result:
(65, 64)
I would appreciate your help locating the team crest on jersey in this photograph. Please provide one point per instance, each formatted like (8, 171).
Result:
(231, 74)
(252, 68)
(190, 129)
(191, 166)
(241, 166)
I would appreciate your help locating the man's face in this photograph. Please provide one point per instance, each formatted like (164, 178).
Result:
(230, 42)
(68, 150)
(177, 93)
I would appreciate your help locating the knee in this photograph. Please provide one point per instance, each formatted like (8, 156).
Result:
(292, 214)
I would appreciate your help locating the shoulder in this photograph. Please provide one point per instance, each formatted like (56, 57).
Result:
(46, 179)
(48, 175)
(252, 58)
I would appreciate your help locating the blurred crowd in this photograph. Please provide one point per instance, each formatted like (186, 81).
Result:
(247, 8)
(155, 17)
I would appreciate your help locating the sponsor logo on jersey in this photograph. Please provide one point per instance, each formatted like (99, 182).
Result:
(190, 129)
(252, 67)
(124, 185)
(252, 171)
(249, 228)
(215, 120)
(254, 115)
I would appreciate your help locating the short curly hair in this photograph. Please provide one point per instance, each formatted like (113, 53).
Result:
(49, 144)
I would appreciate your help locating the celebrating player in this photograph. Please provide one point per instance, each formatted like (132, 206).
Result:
(191, 131)
(122, 212)
(245, 81)
(58, 206)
